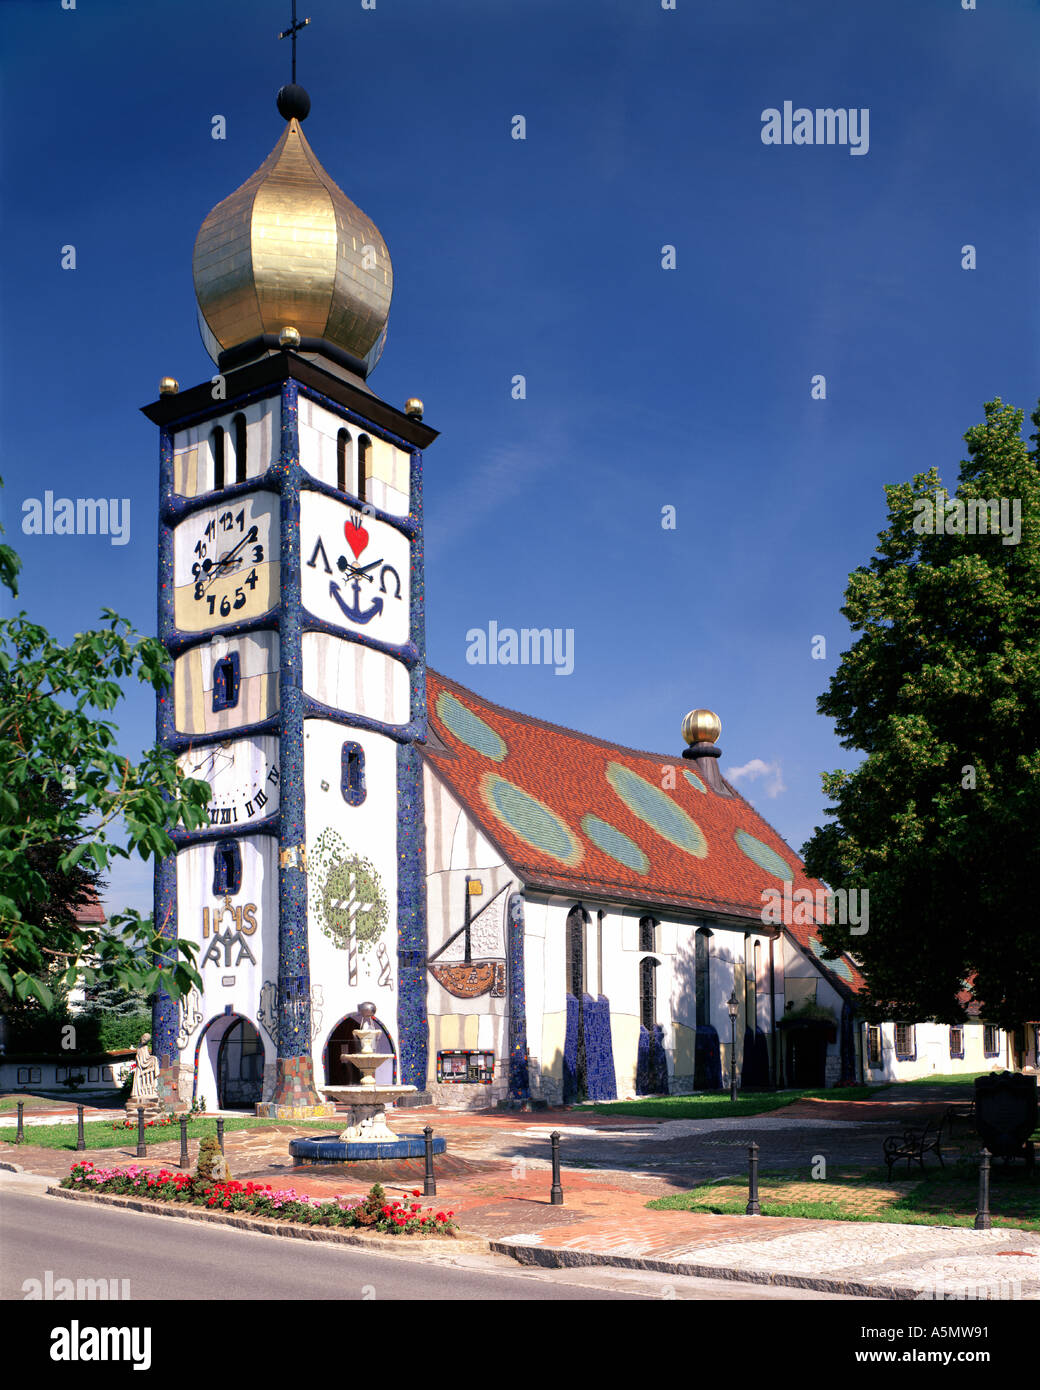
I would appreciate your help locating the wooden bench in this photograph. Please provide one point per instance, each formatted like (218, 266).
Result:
(914, 1144)
(961, 1111)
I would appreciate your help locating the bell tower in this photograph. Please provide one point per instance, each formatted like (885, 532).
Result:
(291, 603)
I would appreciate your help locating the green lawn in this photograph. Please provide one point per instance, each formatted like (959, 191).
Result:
(718, 1106)
(99, 1134)
(963, 1079)
(941, 1197)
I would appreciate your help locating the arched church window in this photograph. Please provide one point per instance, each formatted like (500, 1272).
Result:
(364, 453)
(342, 450)
(648, 992)
(647, 934)
(239, 424)
(227, 868)
(352, 774)
(702, 963)
(576, 920)
(752, 993)
(226, 682)
(216, 444)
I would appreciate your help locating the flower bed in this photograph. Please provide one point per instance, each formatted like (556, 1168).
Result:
(161, 1123)
(374, 1212)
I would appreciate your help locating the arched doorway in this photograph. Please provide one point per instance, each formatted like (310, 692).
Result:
(342, 1073)
(240, 1067)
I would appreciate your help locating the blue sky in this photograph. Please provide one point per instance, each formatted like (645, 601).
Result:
(646, 387)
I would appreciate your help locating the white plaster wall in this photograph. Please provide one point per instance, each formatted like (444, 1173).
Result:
(258, 659)
(344, 675)
(387, 484)
(368, 830)
(193, 469)
(933, 1053)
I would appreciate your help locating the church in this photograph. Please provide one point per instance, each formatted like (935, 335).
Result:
(537, 915)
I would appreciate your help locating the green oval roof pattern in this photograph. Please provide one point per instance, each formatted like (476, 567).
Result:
(651, 805)
(530, 820)
(764, 857)
(469, 728)
(694, 780)
(838, 965)
(613, 842)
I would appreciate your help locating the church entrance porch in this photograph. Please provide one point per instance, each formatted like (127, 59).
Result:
(229, 1064)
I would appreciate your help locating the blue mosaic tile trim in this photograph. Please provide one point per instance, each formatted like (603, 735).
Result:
(658, 1062)
(307, 1151)
(183, 838)
(754, 1070)
(643, 1062)
(400, 733)
(177, 508)
(601, 1081)
(413, 1030)
(178, 641)
(407, 653)
(519, 1073)
(707, 1060)
(571, 1080)
(294, 1022)
(180, 743)
(165, 1010)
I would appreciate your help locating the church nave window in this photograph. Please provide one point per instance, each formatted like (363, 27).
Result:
(216, 444)
(352, 774)
(227, 869)
(647, 934)
(576, 921)
(648, 992)
(226, 682)
(364, 453)
(239, 424)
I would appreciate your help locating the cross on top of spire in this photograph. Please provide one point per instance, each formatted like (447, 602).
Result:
(290, 33)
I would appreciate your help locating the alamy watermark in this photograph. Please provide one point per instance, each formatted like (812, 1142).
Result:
(803, 907)
(79, 516)
(74, 1289)
(530, 646)
(978, 516)
(823, 126)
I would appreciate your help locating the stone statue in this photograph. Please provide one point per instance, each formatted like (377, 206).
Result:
(146, 1075)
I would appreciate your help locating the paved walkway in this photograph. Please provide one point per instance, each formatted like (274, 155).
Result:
(495, 1177)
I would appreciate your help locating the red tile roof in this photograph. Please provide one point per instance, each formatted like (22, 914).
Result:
(582, 816)
(89, 913)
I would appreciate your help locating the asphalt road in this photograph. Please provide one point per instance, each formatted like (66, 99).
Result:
(163, 1258)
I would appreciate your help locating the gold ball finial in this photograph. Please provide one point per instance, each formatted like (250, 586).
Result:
(289, 337)
(169, 386)
(413, 408)
(701, 726)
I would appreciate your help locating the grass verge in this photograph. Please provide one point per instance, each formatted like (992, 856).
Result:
(99, 1134)
(718, 1105)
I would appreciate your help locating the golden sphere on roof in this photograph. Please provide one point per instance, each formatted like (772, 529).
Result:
(413, 408)
(289, 337)
(701, 726)
(289, 247)
(168, 386)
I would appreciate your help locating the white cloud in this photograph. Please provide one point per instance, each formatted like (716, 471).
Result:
(755, 769)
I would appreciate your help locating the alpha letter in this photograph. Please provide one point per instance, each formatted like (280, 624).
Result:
(219, 128)
(967, 257)
(519, 392)
(819, 388)
(668, 517)
(519, 128)
(819, 648)
(667, 257)
(771, 126)
(68, 258)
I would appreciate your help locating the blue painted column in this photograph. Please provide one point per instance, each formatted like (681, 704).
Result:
(294, 1082)
(165, 1010)
(413, 1031)
(519, 1077)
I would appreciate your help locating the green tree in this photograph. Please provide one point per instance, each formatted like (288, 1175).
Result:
(69, 801)
(941, 692)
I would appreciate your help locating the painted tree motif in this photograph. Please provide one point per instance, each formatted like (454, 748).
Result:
(350, 902)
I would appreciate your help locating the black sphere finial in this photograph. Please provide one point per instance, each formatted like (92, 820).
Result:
(293, 101)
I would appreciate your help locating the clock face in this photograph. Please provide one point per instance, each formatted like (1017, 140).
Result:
(355, 569)
(243, 776)
(225, 563)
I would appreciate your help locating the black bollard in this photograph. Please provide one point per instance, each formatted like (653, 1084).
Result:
(556, 1191)
(220, 1132)
(982, 1221)
(81, 1141)
(19, 1138)
(752, 1208)
(429, 1181)
(184, 1141)
(141, 1150)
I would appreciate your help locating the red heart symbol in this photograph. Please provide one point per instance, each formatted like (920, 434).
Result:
(357, 537)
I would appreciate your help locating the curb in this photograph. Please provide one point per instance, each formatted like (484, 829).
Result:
(383, 1244)
(550, 1257)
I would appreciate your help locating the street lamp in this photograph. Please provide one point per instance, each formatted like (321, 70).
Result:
(733, 1007)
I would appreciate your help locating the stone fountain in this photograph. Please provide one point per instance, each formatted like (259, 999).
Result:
(367, 1134)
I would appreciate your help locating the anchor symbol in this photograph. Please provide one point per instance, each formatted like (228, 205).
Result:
(354, 611)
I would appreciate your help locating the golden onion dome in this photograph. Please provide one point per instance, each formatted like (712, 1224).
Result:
(701, 726)
(289, 247)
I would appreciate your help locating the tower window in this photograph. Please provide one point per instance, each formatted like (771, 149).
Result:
(352, 776)
(364, 453)
(226, 682)
(216, 444)
(342, 449)
(239, 423)
(227, 868)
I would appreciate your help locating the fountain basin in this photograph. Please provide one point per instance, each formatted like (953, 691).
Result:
(334, 1150)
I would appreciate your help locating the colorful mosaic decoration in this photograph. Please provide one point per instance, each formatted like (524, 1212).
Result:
(469, 728)
(613, 842)
(763, 856)
(651, 805)
(470, 981)
(694, 781)
(530, 820)
(349, 899)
